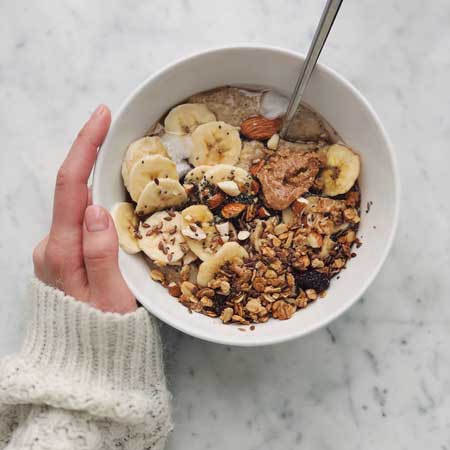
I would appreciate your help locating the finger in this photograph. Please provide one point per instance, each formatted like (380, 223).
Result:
(107, 289)
(39, 260)
(71, 192)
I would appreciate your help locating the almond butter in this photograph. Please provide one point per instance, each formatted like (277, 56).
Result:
(216, 200)
(260, 128)
(256, 167)
(232, 210)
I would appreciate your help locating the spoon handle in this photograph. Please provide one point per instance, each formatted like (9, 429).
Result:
(320, 36)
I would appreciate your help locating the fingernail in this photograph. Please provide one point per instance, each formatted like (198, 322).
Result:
(100, 110)
(96, 218)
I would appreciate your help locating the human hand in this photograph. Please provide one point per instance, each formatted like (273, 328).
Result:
(79, 255)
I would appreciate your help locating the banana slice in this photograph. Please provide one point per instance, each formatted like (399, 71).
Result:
(230, 252)
(198, 229)
(147, 169)
(162, 194)
(215, 143)
(226, 172)
(148, 145)
(162, 240)
(343, 166)
(195, 175)
(184, 119)
(126, 223)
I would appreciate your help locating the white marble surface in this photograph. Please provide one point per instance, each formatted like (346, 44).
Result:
(378, 377)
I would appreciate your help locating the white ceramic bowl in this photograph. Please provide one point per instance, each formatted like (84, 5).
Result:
(329, 94)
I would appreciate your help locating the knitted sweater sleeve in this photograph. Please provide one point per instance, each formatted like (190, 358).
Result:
(84, 379)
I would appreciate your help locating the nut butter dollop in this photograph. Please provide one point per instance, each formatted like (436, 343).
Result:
(287, 175)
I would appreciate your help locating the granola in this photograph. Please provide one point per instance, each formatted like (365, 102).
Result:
(258, 227)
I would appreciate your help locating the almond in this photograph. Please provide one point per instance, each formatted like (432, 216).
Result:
(260, 128)
(297, 207)
(174, 289)
(232, 210)
(263, 212)
(216, 200)
(256, 167)
(254, 187)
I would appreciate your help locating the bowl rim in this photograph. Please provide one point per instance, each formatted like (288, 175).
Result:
(263, 341)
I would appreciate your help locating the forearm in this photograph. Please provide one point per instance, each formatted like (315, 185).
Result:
(102, 372)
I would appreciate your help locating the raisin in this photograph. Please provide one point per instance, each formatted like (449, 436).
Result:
(312, 279)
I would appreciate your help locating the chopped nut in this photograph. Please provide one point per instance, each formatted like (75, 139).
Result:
(226, 315)
(185, 272)
(188, 288)
(351, 215)
(338, 263)
(259, 284)
(270, 274)
(224, 287)
(262, 212)
(243, 235)
(232, 210)
(256, 167)
(216, 200)
(317, 263)
(311, 294)
(280, 229)
(174, 289)
(206, 301)
(282, 310)
(314, 240)
(205, 292)
(229, 187)
(272, 143)
(157, 275)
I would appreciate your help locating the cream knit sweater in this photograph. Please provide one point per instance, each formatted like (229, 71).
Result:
(84, 380)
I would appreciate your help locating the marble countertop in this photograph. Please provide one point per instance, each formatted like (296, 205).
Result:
(379, 376)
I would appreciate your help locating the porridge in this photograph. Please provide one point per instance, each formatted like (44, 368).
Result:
(235, 222)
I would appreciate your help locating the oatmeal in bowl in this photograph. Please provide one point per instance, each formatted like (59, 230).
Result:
(236, 223)
(258, 241)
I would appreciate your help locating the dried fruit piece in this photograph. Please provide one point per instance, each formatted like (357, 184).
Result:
(312, 279)
(260, 128)
(232, 210)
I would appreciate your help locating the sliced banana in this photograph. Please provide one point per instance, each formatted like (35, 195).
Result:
(343, 166)
(195, 175)
(148, 145)
(198, 229)
(126, 223)
(230, 252)
(147, 169)
(215, 143)
(162, 194)
(226, 172)
(184, 119)
(162, 240)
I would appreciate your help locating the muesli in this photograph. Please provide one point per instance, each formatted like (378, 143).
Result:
(234, 221)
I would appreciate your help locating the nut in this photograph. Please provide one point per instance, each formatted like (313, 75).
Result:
(188, 288)
(256, 167)
(229, 187)
(270, 274)
(259, 284)
(174, 289)
(232, 210)
(243, 235)
(351, 215)
(282, 310)
(254, 187)
(224, 287)
(157, 275)
(298, 206)
(205, 292)
(260, 128)
(216, 200)
(226, 315)
(311, 294)
(314, 240)
(206, 301)
(280, 229)
(272, 143)
(262, 212)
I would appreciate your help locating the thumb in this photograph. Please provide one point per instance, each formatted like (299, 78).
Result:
(107, 289)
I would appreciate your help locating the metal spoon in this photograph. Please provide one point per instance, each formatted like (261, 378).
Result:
(320, 36)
